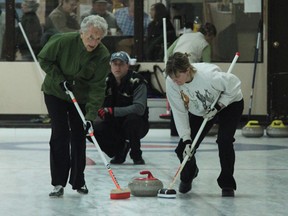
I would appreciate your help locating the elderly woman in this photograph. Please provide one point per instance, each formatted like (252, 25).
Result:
(32, 28)
(80, 62)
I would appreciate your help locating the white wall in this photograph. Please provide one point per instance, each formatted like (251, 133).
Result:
(20, 86)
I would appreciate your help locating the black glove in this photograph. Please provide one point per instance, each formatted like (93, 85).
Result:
(88, 127)
(187, 150)
(66, 86)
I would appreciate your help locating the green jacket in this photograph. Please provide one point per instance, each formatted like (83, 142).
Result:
(64, 57)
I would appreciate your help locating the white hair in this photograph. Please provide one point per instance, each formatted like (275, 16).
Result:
(95, 21)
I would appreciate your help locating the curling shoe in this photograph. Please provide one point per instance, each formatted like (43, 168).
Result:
(120, 159)
(185, 187)
(58, 191)
(83, 190)
(228, 192)
(139, 161)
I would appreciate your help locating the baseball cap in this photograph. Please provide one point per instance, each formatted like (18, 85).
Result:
(99, 1)
(122, 56)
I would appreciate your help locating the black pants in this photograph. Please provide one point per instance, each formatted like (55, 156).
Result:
(67, 143)
(228, 120)
(112, 134)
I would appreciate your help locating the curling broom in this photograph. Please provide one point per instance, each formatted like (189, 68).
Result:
(170, 193)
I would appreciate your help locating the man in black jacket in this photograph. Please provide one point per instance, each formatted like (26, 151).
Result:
(124, 112)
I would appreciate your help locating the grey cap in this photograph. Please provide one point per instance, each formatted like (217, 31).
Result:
(122, 56)
(99, 1)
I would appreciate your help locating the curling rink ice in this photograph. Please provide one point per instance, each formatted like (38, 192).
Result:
(260, 171)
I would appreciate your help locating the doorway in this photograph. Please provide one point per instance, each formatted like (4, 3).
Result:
(277, 60)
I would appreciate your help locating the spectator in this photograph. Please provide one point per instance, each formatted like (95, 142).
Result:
(80, 62)
(124, 112)
(155, 44)
(125, 20)
(61, 19)
(99, 7)
(2, 31)
(32, 28)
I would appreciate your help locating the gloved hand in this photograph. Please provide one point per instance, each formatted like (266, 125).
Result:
(187, 150)
(65, 86)
(105, 113)
(88, 127)
(210, 113)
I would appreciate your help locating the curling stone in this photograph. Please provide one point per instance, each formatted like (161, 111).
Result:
(213, 131)
(145, 187)
(253, 129)
(277, 129)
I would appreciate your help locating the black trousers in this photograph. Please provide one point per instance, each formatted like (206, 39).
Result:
(111, 134)
(67, 143)
(228, 120)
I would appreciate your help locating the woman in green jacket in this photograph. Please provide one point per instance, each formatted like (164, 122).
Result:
(79, 61)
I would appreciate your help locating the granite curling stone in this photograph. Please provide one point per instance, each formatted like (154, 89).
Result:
(145, 187)
(277, 129)
(253, 129)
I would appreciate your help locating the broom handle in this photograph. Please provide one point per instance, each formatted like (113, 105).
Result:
(29, 46)
(180, 168)
(91, 134)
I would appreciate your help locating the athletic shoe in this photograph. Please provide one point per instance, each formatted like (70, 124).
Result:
(58, 191)
(139, 161)
(83, 190)
(228, 192)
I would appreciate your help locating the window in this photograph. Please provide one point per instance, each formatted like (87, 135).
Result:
(139, 36)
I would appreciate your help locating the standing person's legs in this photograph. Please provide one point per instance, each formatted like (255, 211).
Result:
(59, 140)
(78, 147)
(190, 170)
(228, 121)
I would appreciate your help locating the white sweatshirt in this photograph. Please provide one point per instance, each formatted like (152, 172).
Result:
(193, 44)
(205, 87)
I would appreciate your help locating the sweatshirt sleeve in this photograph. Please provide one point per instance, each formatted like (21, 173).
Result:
(230, 87)
(180, 113)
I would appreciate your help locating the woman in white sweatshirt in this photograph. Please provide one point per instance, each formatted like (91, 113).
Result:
(191, 90)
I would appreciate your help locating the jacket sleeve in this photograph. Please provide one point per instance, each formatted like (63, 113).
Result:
(47, 59)
(97, 87)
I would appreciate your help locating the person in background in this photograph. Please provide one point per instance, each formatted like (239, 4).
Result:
(79, 62)
(2, 31)
(196, 44)
(99, 7)
(124, 112)
(155, 44)
(32, 28)
(125, 20)
(191, 90)
(61, 19)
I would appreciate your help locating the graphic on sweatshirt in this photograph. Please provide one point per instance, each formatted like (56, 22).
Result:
(207, 97)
